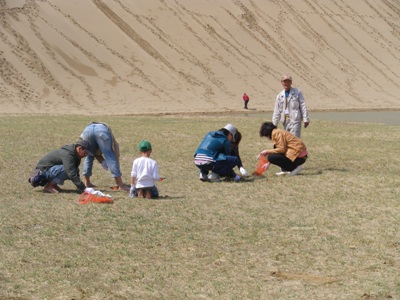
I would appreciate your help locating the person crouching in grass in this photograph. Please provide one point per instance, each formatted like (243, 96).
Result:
(289, 151)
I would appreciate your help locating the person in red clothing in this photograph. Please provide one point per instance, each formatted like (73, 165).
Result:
(246, 100)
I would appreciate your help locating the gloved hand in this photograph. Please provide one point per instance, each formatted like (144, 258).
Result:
(132, 192)
(104, 165)
(243, 172)
(306, 124)
(265, 166)
(89, 190)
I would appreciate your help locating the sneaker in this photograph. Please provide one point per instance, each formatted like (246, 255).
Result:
(296, 171)
(282, 173)
(203, 177)
(214, 177)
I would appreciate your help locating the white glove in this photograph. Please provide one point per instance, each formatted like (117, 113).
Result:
(243, 171)
(89, 190)
(104, 165)
(132, 192)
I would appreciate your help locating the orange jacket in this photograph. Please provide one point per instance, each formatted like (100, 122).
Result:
(286, 143)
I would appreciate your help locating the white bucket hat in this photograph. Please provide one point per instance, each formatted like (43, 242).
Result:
(232, 130)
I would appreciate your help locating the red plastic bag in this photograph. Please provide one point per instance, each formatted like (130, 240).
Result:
(261, 168)
(86, 198)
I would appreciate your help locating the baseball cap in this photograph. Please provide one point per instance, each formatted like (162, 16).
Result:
(286, 77)
(232, 130)
(144, 146)
(85, 146)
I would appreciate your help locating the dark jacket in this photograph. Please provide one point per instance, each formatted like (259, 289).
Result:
(67, 157)
(214, 145)
(235, 152)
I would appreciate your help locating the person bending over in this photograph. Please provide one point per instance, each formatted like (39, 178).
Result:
(213, 154)
(289, 151)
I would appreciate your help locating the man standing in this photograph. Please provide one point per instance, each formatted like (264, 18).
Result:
(246, 100)
(60, 165)
(290, 108)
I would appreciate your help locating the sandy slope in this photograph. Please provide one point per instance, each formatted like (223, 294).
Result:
(135, 56)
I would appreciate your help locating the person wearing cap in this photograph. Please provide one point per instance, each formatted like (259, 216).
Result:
(290, 108)
(105, 148)
(144, 174)
(213, 154)
(60, 165)
(289, 151)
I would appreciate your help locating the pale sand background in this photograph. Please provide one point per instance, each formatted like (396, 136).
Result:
(135, 56)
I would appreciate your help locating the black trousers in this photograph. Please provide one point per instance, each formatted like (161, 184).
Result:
(245, 103)
(285, 163)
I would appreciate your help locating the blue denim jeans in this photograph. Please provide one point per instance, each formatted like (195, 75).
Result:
(56, 174)
(99, 137)
(152, 190)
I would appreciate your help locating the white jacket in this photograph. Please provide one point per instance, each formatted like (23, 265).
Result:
(296, 106)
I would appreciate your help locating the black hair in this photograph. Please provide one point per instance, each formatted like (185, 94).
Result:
(238, 137)
(224, 131)
(266, 129)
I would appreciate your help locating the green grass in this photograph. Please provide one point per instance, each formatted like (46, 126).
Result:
(330, 233)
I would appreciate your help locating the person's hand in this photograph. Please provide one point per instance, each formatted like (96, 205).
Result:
(89, 190)
(265, 166)
(132, 192)
(243, 172)
(306, 124)
(104, 165)
(264, 153)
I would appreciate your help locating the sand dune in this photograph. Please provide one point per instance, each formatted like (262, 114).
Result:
(172, 56)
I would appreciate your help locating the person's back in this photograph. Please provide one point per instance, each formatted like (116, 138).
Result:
(145, 170)
(214, 144)
(57, 157)
(59, 165)
(144, 173)
(213, 154)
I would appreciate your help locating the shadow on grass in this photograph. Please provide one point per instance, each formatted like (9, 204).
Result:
(42, 191)
(168, 197)
(312, 172)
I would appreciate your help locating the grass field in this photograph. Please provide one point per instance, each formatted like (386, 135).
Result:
(330, 233)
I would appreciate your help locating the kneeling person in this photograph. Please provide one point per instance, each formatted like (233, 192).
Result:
(144, 174)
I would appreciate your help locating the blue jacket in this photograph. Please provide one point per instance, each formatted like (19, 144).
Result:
(214, 145)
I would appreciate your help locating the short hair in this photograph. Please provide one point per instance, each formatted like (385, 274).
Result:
(266, 129)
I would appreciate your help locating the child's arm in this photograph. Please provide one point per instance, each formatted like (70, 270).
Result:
(132, 190)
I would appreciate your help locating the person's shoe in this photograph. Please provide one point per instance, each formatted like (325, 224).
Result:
(214, 177)
(203, 177)
(282, 173)
(296, 171)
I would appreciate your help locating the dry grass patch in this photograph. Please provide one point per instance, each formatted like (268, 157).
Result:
(329, 233)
